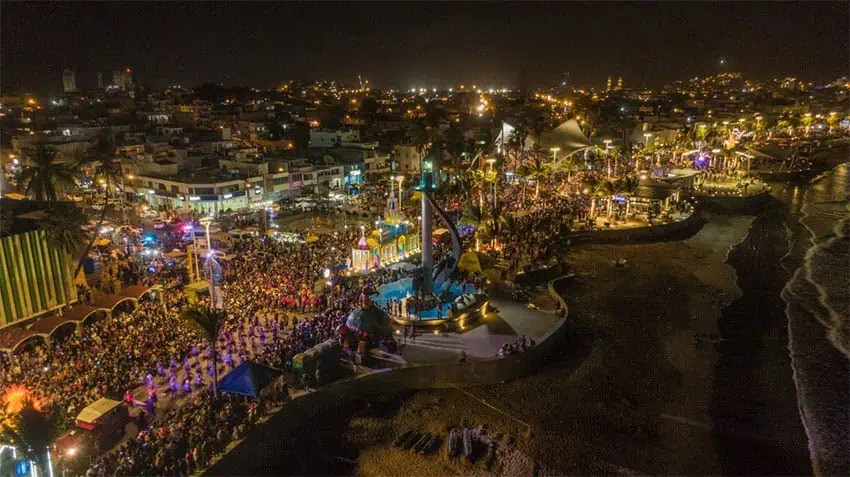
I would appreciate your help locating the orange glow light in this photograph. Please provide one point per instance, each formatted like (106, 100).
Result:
(16, 396)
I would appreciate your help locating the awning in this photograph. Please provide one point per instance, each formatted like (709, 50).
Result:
(567, 137)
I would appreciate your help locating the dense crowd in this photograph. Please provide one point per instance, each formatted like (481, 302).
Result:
(279, 301)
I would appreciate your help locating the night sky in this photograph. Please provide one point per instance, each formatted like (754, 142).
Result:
(402, 45)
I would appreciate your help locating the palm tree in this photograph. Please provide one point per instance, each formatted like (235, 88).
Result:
(476, 217)
(604, 189)
(31, 431)
(455, 145)
(109, 170)
(64, 226)
(536, 170)
(208, 323)
(47, 177)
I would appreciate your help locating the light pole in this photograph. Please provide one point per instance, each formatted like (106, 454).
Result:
(206, 222)
(608, 156)
(646, 137)
(492, 161)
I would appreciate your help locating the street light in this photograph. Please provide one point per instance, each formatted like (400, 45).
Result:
(646, 137)
(555, 153)
(608, 155)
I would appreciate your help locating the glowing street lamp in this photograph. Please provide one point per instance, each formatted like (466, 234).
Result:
(555, 153)
(646, 137)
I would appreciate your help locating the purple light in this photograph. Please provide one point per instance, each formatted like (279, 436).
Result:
(701, 161)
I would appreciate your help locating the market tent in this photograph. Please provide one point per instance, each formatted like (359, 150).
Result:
(249, 379)
(469, 262)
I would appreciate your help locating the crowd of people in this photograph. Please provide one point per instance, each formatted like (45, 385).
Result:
(279, 299)
(521, 344)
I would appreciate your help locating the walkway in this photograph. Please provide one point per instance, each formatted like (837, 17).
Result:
(504, 323)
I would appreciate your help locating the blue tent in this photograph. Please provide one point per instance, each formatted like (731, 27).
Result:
(248, 379)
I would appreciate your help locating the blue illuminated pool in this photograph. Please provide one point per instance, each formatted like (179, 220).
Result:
(404, 287)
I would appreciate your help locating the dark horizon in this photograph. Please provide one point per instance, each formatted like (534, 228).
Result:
(417, 44)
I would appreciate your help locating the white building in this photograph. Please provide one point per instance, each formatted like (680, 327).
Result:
(331, 138)
(407, 158)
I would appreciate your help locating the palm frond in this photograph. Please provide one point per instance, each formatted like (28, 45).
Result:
(206, 322)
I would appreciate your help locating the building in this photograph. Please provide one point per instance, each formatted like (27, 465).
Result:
(35, 276)
(123, 79)
(200, 191)
(406, 158)
(99, 80)
(331, 138)
(69, 81)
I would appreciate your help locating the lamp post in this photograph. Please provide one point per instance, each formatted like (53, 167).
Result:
(492, 161)
(646, 137)
(608, 155)
(206, 221)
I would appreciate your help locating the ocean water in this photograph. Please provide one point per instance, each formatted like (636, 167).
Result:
(817, 298)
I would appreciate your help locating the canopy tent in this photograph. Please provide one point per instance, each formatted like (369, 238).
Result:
(469, 262)
(249, 379)
(567, 137)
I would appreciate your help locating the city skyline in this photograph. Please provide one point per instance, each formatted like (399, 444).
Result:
(418, 45)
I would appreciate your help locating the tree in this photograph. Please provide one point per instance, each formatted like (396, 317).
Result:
(418, 136)
(516, 141)
(207, 322)
(31, 431)
(47, 177)
(455, 144)
(64, 227)
(109, 169)
(476, 217)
